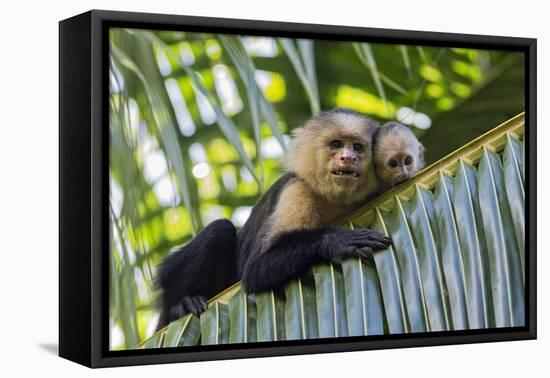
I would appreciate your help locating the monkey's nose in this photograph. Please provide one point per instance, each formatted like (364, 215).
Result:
(344, 158)
(400, 177)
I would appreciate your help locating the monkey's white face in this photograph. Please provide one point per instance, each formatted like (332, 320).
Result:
(397, 155)
(343, 162)
(346, 159)
(333, 154)
(398, 168)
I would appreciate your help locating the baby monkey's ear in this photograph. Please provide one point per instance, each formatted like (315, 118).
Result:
(421, 150)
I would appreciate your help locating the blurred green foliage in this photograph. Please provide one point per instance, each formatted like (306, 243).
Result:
(199, 123)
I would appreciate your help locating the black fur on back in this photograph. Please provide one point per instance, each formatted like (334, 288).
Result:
(248, 236)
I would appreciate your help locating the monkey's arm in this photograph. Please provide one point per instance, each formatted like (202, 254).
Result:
(293, 240)
(293, 253)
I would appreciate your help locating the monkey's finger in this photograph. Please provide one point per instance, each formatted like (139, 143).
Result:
(197, 305)
(377, 246)
(176, 312)
(387, 241)
(374, 244)
(201, 304)
(360, 243)
(379, 236)
(382, 239)
(372, 238)
(363, 253)
(187, 304)
(350, 251)
(372, 234)
(191, 306)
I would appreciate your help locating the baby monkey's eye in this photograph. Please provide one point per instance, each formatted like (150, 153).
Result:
(358, 147)
(408, 160)
(336, 144)
(392, 163)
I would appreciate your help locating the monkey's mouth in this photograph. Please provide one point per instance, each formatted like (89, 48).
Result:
(346, 173)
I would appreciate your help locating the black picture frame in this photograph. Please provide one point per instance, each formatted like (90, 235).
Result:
(84, 189)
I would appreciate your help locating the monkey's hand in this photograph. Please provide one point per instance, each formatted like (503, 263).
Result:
(365, 237)
(353, 243)
(195, 305)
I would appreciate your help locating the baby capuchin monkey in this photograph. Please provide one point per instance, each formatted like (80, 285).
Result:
(397, 155)
(293, 226)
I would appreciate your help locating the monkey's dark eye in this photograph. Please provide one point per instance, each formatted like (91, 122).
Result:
(408, 160)
(392, 163)
(336, 144)
(358, 147)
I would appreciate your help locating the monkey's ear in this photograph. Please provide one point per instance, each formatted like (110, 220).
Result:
(421, 150)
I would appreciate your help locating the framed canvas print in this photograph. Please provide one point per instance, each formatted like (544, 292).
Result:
(235, 188)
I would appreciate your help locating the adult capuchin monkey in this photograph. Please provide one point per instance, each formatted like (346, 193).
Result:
(397, 155)
(293, 226)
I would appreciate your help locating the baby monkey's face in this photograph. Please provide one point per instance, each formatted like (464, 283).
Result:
(398, 155)
(399, 167)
